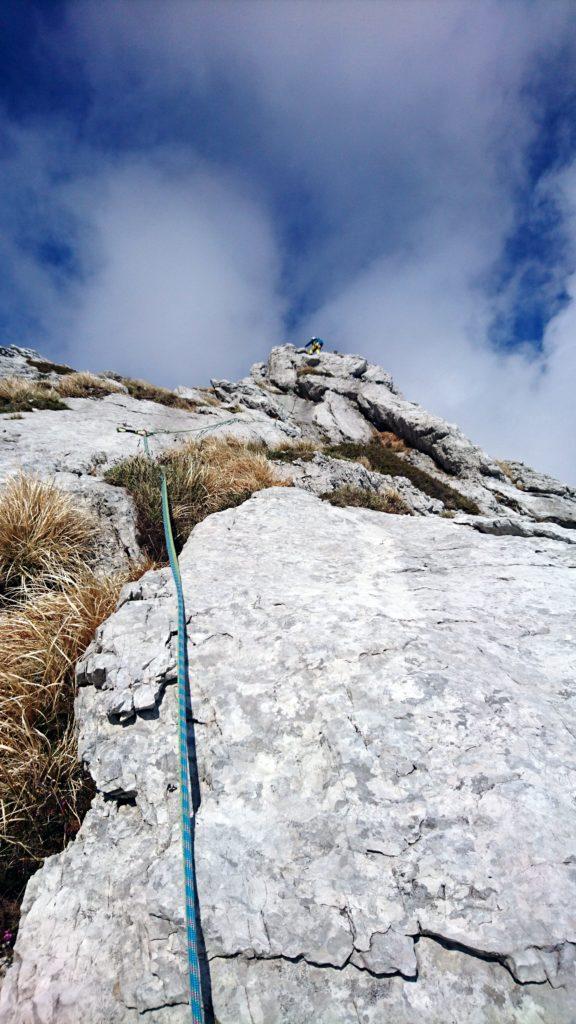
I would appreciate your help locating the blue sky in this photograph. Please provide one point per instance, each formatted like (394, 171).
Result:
(187, 183)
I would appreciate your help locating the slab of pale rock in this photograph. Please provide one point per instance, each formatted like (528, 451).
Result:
(385, 730)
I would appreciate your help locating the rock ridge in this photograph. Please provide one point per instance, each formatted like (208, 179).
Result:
(384, 724)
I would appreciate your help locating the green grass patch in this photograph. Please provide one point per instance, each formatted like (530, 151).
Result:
(383, 460)
(304, 450)
(346, 497)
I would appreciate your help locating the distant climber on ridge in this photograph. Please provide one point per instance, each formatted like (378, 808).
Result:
(314, 345)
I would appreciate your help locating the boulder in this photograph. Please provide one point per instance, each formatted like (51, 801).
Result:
(384, 726)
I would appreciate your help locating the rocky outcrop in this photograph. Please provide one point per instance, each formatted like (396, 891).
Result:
(384, 730)
(323, 474)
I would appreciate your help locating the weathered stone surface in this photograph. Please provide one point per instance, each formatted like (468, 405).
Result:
(323, 474)
(529, 480)
(314, 386)
(385, 731)
(516, 526)
(344, 398)
(249, 394)
(339, 420)
(282, 367)
(432, 435)
(385, 735)
(15, 362)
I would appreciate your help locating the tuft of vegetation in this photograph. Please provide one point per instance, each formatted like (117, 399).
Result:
(51, 602)
(43, 536)
(508, 471)
(203, 477)
(154, 393)
(304, 450)
(391, 501)
(45, 366)
(382, 459)
(44, 791)
(17, 395)
(391, 440)
(85, 385)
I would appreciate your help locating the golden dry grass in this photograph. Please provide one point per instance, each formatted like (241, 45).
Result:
(203, 477)
(82, 384)
(17, 394)
(43, 790)
(391, 440)
(43, 535)
(155, 393)
(510, 473)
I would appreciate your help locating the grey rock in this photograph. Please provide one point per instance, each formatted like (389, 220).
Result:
(539, 483)
(249, 394)
(339, 420)
(336, 365)
(15, 362)
(323, 474)
(378, 375)
(314, 386)
(516, 526)
(282, 367)
(385, 739)
(447, 445)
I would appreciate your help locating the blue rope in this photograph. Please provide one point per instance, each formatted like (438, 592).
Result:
(196, 1002)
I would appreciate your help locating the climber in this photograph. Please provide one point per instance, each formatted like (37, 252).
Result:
(314, 345)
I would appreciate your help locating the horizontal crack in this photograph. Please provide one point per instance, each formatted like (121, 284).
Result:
(251, 955)
(479, 954)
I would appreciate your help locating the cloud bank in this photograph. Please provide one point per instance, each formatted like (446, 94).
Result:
(238, 175)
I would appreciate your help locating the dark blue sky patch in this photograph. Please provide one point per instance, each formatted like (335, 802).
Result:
(37, 77)
(538, 256)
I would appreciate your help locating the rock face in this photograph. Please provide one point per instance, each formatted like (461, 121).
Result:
(385, 741)
(385, 724)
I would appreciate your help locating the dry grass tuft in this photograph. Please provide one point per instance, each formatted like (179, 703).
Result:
(390, 440)
(44, 792)
(508, 471)
(43, 536)
(85, 385)
(17, 394)
(203, 477)
(391, 501)
(154, 393)
(53, 604)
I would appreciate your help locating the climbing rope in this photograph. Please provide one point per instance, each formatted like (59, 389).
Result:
(196, 1005)
(184, 704)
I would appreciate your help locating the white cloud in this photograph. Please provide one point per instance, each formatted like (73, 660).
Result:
(398, 132)
(187, 286)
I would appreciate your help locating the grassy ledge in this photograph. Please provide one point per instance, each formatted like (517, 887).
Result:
(203, 477)
(17, 394)
(346, 497)
(153, 393)
(383, 459)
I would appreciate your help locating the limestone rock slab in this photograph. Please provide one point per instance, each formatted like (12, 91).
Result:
(385, 720)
